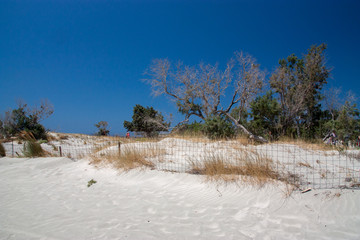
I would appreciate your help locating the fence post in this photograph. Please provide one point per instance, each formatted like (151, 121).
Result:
(60, 151)
(12, 147)
(119, 147)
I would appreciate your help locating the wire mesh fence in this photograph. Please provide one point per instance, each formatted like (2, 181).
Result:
(318, 166)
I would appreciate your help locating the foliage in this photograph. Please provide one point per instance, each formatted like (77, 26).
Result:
(217, 127)
(91, 182)
(265, 112)
(293, 108)
(2, 150)
(25, 119)
(194, 128)
(298, 83)
(33, 149)
(102, 128)
(347, 123)
(199, 90)
(146, 120)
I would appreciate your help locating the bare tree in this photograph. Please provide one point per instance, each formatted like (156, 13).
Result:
(44, 111)
(247, 80)
(332, 101)
(292, 92)
(200, 90)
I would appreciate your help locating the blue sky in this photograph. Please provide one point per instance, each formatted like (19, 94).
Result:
(88, 57)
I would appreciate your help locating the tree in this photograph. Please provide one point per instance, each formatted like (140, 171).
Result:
(26, 119)
(200, 90)
(102, 128)
(265, 112)
(344, 118)
(347, 123)
(332, 101)
(147, 120)
(298, 83)
(217, 127)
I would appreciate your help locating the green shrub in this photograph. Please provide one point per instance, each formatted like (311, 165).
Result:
(194, 128)
(148, 121)
(217, 127)
(42, 141)
(33, 149)
(2, 150)
(25, 119)
(102, 128)
(91, 182)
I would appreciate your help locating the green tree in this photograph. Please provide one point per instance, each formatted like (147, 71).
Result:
(298, 83)
(26, 119)
(347, 124)
(194, 128)
(217, 127)
(146, 120)
(265, 112)
(102, 128)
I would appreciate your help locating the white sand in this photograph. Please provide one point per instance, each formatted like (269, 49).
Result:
(48, 198)
(312, 168)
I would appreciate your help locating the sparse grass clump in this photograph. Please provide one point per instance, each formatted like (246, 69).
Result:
(315, 144)
(2, 150)
(128, 159)
(91, 182)
(33, 149)
(249, 167)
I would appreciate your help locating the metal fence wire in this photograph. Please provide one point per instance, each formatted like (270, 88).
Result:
(318, 166)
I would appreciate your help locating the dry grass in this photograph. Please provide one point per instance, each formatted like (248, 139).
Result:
(353, 155)
(63, 137)
(33, 149)
(196, 138)
(249, 167)
(304, 164)
(129, 158)
(244, 140)
(309, 145)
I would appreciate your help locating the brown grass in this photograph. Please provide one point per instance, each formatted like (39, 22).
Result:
(310, 145)
(305, 164)
(244, 140)
(33, 149)
(200, 138)
(128, 159)
(249, 167)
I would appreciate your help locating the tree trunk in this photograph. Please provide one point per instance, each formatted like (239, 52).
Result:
(246, 131)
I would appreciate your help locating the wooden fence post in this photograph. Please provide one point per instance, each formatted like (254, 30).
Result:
(119, 147)
(60, 151)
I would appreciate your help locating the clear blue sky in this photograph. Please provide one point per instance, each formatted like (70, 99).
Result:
(88, 57)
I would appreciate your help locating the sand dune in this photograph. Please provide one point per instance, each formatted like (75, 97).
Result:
(48, 198)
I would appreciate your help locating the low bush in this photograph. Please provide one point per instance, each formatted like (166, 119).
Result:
(189, 129)
(217, 127)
